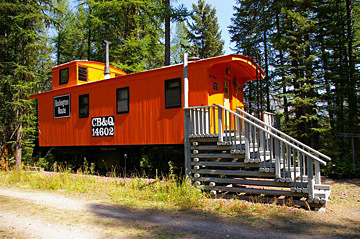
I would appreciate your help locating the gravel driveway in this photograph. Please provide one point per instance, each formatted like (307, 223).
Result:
(32, 214)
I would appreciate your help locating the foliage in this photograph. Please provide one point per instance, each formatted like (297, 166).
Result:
(203, 32)
(21, 36)
(179, 43)
(312, 67)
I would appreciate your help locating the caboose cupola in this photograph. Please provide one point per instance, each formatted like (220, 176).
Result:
(80, 72)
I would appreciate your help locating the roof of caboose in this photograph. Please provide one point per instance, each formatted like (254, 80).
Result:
(246, 63)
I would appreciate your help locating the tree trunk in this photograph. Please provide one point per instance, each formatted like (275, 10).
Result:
(283, 80)
(58, 48)
(18, 147)
(267, 90)
(89, 36)
(340, 88)
(167, 33)
(352, 82)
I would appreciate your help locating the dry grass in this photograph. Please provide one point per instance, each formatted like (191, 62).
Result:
(342, 217)
(167, 194)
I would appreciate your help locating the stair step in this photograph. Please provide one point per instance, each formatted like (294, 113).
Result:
(199, 136)
(322, 187)
(204, 140)
(215, 147)
(322, 193)
(256, 191)
(217, 155)
(242, 181)
(234, 164)
(241, 173)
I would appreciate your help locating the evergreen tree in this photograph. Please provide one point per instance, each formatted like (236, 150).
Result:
(22, 24)
(312, 65)
(179, 44)
(203, 31)
(252, 37)
(71, 39)
(133, 28)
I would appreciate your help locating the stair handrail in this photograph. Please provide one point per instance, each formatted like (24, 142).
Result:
(274, 135)
(199, 107)
(285, 135)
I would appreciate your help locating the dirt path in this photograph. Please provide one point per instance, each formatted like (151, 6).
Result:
(32, 214)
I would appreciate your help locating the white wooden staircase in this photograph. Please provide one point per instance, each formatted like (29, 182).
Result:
(235, 153)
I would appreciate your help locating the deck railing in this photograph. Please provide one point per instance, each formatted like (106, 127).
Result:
(289, 159)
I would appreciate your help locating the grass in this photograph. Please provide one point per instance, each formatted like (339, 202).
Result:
(166, 194)
(173, 195)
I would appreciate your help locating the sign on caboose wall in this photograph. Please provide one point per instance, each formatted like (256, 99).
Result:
(62, 106)
(103, 126)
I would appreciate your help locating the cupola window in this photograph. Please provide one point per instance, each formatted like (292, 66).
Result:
(64, 76)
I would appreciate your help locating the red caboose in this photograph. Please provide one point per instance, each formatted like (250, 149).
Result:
(83, 111)
(151, 116)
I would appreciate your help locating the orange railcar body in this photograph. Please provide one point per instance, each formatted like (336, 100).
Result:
(148, 121)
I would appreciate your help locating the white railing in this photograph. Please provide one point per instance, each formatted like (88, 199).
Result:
(289, 159)
(285, 136)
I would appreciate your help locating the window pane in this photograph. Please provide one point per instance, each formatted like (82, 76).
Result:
(64, 76)
(123, 106)
(84, 106)
(82, 71)
(123, 94)
(122, 100)
(173, 93)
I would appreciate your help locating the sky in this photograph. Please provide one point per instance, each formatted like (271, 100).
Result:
(224, 12)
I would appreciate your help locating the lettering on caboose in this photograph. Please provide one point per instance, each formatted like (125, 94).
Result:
(62, 106)
(103, 126)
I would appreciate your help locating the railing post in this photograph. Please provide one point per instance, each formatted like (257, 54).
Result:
(247, 143)
(239, 131)
(317, 173)
(201, 122)
(197, 124)
(262, 146)
(208, 122)
(220, 124)
(187, 146)
(214, 118)
(277, 160)
(310, 175)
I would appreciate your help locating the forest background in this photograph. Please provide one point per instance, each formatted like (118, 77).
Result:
(309, 50)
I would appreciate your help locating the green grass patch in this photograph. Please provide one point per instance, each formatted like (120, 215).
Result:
(170, 193)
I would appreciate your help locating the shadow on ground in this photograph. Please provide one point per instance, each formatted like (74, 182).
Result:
(189, 224)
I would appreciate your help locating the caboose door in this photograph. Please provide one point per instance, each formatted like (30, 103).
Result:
(227, 99)
(226, 93)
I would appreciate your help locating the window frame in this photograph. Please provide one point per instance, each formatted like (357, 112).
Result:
(88, 106)
(87, 73)
(128, 100)
(60, 78)
(166, 88)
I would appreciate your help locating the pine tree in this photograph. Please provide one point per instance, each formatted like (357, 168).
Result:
(71, 39)
(312, 62)
(252, 24)
(203, 32)
(179, 44)
(133, 28)
(22, 24)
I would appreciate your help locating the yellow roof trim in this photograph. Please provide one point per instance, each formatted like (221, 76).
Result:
(249, 63)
